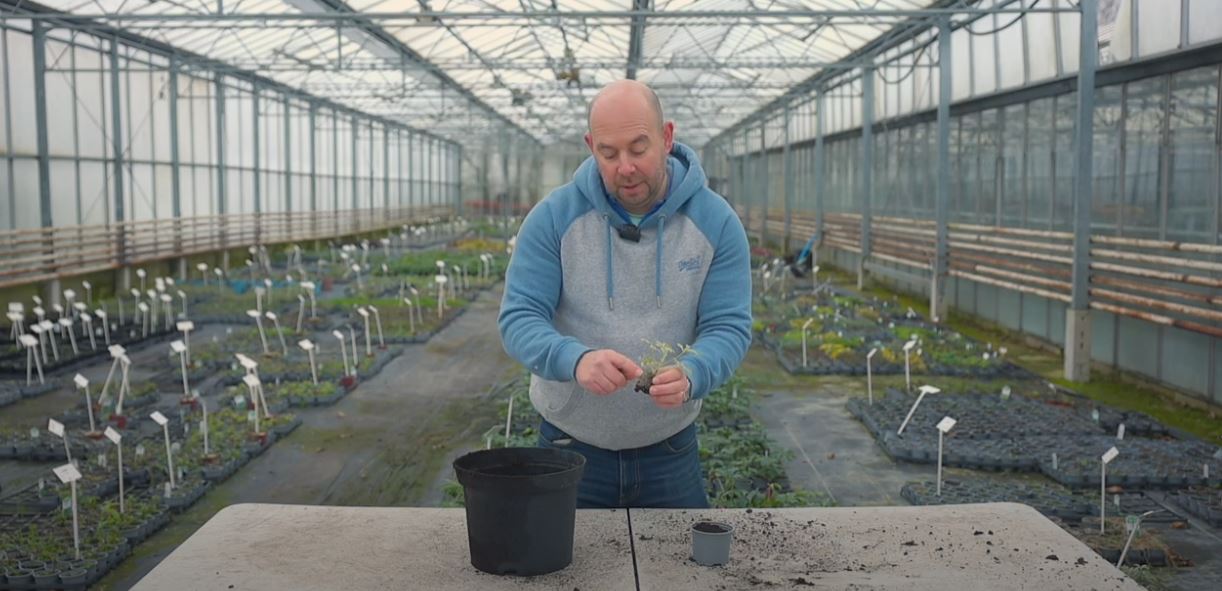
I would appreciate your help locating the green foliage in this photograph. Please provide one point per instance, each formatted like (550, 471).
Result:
(663, 355)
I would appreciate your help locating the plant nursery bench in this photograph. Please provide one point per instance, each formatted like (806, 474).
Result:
(994, 546)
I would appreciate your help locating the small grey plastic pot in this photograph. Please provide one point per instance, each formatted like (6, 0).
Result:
(711, 542)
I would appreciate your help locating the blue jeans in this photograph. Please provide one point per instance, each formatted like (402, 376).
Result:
(663, 475)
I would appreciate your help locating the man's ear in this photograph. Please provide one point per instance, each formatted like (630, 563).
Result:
(668, 135)
(590, 142)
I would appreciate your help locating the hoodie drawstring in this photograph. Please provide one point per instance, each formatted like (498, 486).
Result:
(610, 269)
(657, 270)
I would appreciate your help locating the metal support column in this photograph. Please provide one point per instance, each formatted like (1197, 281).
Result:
(867, 169)
(290, 229)
(355, 211)
(220, 166)
(820, 177)
(1077, 319)
(313, 129)
(258, 172)
(762, 171)
(335, 172)
(385, 174)
(176, 167)
(745, 183)
(937, 290)
(52, 290)
(787, 164)
(116, 139)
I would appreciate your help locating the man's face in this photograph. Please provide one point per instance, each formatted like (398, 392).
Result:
(631, 152)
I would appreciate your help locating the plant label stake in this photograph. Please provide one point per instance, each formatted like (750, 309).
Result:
(268, 284)
(870, 374)
(1054, 462)
(66, 324)
(280, 333)
(203, 426)
(167, 306)
(220, 280)
(185, 327)
(88, 292)
(258, 316)
(116, 351)
(82, 383)
(38, 331)
(68, 474)
(181, 349)
(308, 347)
(141, 274)
(441, 295)
(508, 419)
(805, 325)
(411, 315)
(144, 327)
(907, 364)
(169, 456)
(259, 291)
(32, 360)
(48, 329)
(944, 427)
(101, 314)
(254, 386)
(182, 297)
(360, 285)
(365, 318)
(355, 363)
(419, 306)
(377, 317)
(125, 386)
(1120, 432)
(343, 350)
(1108, 456)
(309, 287)
(117, 439)
(87, 328)
(153, 312)
(203, 272)
(56, 428)
(923, 391)
(300, 313)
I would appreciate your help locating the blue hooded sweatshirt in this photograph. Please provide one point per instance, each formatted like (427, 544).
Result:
(574, 285)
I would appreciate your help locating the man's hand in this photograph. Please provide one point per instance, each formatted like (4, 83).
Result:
(604, 371)
(670, 387)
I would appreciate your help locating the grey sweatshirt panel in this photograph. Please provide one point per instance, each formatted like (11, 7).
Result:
(624, 419)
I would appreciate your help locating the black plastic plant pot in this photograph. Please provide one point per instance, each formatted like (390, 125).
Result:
(521, 503)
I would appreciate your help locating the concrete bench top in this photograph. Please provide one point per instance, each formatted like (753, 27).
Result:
(995, 546)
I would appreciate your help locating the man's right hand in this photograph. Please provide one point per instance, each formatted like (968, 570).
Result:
(604, 371)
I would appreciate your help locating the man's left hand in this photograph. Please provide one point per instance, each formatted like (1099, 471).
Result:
(670, 387)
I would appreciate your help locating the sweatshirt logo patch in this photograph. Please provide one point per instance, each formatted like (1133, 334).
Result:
(691, 265)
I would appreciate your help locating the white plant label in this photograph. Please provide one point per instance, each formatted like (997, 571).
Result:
(870, 355)
(178, 346)
(55, 427)
(185, 326)
(305, 345)
(1110, 455)
(251, 381)
(946, 424)
(113, 435)
(81, 381)
(67, 473)
(1120, 432)
(159, 418)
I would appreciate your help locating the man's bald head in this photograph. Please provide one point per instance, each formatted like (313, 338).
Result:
(630, 142)
(625, 94)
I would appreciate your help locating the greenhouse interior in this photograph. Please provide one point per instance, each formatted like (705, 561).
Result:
(581, 294)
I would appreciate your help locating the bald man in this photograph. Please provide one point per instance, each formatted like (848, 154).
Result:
(635, 250)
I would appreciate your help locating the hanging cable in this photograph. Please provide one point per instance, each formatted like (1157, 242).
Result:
(1020, 16)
